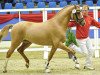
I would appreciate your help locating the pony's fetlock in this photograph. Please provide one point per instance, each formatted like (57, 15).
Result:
(5, 71)
(47, 65)
(27, 65)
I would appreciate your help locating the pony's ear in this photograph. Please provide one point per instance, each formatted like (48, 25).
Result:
(77, 6)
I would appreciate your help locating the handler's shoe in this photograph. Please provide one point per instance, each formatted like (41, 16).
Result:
(89, 68)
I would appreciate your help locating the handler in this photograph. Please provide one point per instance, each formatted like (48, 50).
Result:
(82, 35)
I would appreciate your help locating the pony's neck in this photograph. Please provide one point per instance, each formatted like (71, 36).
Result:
(63, 16)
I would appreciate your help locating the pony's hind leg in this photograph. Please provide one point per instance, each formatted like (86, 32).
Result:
(14, 45)
(21, 49)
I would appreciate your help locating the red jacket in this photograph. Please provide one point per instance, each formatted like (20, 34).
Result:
(83, 31)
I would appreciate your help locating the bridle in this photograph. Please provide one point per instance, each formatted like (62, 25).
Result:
(78, 20)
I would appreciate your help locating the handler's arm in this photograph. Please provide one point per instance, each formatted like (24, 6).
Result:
(71, 24)
(95, 23)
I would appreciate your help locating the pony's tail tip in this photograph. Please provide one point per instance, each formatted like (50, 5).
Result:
(5, 30)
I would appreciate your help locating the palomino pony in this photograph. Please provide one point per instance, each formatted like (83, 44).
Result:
(51, 33)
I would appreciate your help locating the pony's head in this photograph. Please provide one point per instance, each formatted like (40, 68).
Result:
(77, 16)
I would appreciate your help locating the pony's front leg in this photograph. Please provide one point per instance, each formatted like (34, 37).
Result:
(67, 49)
(5, 66)
(53, 49)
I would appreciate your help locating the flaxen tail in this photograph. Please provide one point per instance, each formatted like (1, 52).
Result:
(4, 31)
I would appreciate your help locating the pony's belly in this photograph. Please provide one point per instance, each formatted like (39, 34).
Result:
(39, 37)
(41, 41)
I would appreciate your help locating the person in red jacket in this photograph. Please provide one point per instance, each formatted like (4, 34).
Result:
(82, 36)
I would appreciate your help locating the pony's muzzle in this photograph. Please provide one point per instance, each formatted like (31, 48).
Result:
(82, 24)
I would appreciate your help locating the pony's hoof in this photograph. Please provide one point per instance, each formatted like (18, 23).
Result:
(27, 65)
(5, 71)
(77, 66)
(47, 71)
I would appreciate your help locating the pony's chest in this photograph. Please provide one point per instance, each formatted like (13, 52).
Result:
(61, 36)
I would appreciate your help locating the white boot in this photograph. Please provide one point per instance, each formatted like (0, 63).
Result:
(77, 66)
